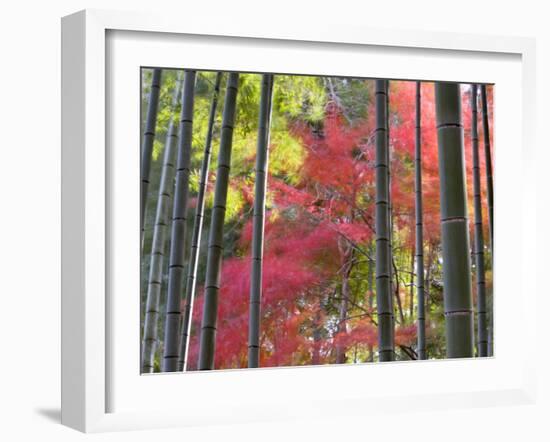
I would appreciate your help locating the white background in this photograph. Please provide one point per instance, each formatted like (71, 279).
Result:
(30, 220)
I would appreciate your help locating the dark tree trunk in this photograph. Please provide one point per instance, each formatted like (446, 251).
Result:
(215, 240)
(457, 291)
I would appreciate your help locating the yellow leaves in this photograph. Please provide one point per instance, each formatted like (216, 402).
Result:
(194, 180)
(274, 215)
(157, 149)
(234, 204)
(287, 156)
(244, 153)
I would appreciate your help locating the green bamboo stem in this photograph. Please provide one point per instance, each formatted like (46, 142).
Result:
(215, 240)
(384, 301)
(457, 291)
(147, 143)
(419, 237)
(260, 188)
(390, 209)
(394, 277)
(488, 162)
(154, 284)
(197, 232)
(176, 267)
(478, 233)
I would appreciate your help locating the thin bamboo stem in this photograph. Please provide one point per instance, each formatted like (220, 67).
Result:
(260, 189)
(197, 232)
(419, 246)
(478, 232)
(384, 300)
(488, 162)
(148, 141)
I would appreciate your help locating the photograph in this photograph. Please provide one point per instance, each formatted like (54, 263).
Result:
(304, 220)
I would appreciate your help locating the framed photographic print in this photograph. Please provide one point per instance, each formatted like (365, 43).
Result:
(251, 211)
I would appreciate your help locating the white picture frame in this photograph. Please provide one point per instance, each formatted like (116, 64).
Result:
(89, 171)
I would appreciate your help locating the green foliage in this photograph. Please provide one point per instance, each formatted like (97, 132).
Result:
(355, 96)
(287, 152)
(234, 205)
(158, 146)
(248, 104)
(194, 180)
(300, 97)
(168, 84)
(204, 89)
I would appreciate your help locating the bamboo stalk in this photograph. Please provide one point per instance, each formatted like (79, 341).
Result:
(260, 188)
(154, 285)
(490, 196)
(394, 289)
(478, 232)
(488, 162)
(384, 302)
(147, 143)
(457, 291)
(370, 291)
(197, 232)
(419, 246)
(215, 240)
(179, 226)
